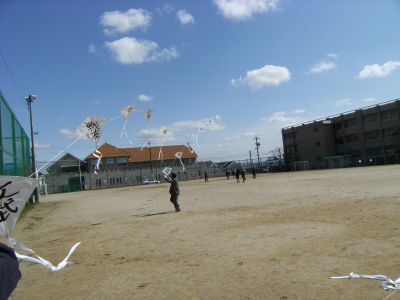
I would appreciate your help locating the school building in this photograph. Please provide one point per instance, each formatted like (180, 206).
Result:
(362, 137)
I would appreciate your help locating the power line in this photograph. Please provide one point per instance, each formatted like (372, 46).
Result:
(11, 75)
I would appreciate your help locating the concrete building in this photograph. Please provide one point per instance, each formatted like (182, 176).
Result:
(359, 137)
(67, 164)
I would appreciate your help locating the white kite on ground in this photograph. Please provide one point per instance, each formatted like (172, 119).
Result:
(93, 126)
(126, 112)
(15, 191)
(387, 283)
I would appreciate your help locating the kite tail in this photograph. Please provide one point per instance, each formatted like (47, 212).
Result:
(40, 260)
(98, 160)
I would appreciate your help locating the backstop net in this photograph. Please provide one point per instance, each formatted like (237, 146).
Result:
(15, 156)
(301, 165)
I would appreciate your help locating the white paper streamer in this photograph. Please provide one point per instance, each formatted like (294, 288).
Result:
(40, 260)
(387, 283)
(99, 156)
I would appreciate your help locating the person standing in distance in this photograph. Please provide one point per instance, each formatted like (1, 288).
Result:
(205, 177)
(174, 190)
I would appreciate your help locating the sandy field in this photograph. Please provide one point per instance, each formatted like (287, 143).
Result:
(280, 236)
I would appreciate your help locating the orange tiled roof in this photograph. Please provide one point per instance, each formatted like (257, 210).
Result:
(136, 154)
(108, 150)
(168, 152)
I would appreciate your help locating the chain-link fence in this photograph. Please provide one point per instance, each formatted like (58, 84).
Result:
(15, 156)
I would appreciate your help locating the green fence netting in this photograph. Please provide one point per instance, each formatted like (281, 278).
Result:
(15, 156)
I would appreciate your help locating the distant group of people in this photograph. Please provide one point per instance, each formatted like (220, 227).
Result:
(175, 191)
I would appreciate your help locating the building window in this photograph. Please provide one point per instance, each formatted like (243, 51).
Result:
(337, 126)
(390, 150)
(387, 115)
(288, 136)
(372, 135)
(374, 151)
(388, 132)
(370, 119)
(339, 141)
(317, 144)
(296, 135)
(296, 147)
(319, 158)
(290, 149)
(94, 162)
(316, 129)
(122, 161)
(350, 123)
(352, 138)
(190, 161)
(109, 161)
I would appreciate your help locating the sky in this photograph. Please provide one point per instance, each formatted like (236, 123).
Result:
(260, 65)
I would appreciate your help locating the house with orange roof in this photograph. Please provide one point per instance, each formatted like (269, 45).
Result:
(114, 158)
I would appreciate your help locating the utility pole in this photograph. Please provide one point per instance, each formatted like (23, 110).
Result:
(251, 163)
(151, 163)
(30, 99)
(257, 145)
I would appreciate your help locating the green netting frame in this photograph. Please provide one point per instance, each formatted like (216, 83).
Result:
(15, 155)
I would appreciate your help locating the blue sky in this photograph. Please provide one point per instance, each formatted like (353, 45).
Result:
(259, 64)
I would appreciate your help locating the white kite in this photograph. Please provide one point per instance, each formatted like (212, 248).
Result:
(189, 147)
(167, 171)
(179, 155)
(163, 131)
(195, 136)
(147, 115)
(15, 192)
(387, 283)
(92, 127)
(126, 112)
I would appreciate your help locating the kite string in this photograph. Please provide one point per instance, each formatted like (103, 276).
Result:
(390, 295)
(59, 153)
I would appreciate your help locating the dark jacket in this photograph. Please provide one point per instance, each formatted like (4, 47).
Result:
(174, 189)
(9, 271)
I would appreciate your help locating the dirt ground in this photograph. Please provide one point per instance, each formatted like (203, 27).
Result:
(280, 236)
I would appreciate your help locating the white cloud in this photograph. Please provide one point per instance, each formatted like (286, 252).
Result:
(379, 71)
(97, 101)
(124, 22)
(322, 66)
(195, 125)
(333, 55)
(343, 102)
(299, 111)
(250, 134)
(132, 51)
(92, 48)
(268, 75)
(144, 98)
(369, 99)
(166, 9)
(155, 134)
(39, 145)
(71, 135)
(184, 17)
(244, 9)
(279, 118)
